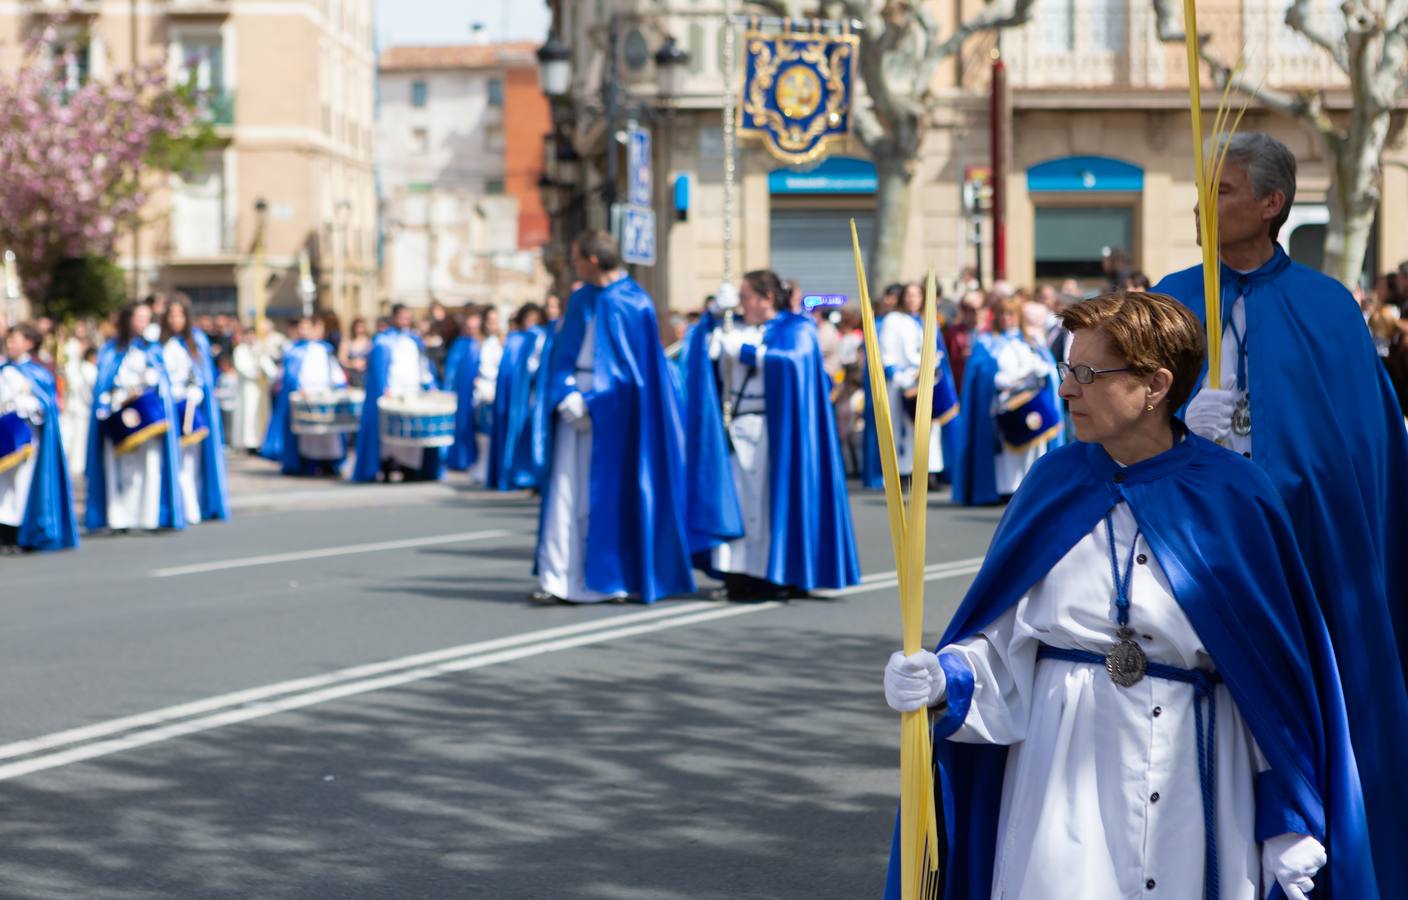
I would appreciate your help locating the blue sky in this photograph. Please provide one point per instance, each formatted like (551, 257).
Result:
(448, 21)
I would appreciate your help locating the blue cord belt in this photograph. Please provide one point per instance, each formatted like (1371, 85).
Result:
(1206, 720)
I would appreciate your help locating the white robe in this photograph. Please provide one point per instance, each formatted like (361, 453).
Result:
(491, 352)
(748, 555)
(81, 375)
(246, 432)
(1101, 791)
(180, 368)
(318, 375)
(901, 342)
(17, 395)
(562, 551)
(1019, 368)
(407, 374)
(133, 479)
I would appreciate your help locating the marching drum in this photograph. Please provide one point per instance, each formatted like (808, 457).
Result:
(195, 427)
(338, 412)
(1027, 418)
(945, 400)
(136, 422)
(420, 420)
(16, 440)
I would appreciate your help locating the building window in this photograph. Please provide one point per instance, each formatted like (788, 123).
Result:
(198, 212)
(75, 63)
(1073, 241)
(1055, 22)
(420, 140)
(1108, 25)
(493, 139)
(420, 94)
(493, 185)
(496, 92)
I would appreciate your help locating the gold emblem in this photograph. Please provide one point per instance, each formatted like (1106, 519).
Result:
(131, 418)
(798, 91)
(1033, 421)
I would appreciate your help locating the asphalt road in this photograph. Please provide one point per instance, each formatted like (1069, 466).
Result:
(193, 716)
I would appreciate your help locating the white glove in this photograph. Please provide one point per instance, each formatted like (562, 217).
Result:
(1210, 413)
(573, 410)
(194, 395)
(1293, 860)
(914, 682)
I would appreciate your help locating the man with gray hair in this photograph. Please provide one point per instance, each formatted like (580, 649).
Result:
(1303, 394)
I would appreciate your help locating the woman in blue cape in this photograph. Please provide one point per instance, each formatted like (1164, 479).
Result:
(461, 373)
(309, 365)
(186, 352)
(1011, 414)
(768, 507)
(511, 460)
(1138, 696)
(133, 438)
(36, 499)
(397, 366)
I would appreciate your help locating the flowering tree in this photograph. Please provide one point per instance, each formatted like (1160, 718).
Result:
(72, 162)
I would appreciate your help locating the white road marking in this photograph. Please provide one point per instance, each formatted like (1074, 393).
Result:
(936, 572)
(346, 550)
(165, 729)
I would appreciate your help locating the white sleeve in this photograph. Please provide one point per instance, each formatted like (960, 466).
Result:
(994, 697)
(1016, 366)
(892, 356)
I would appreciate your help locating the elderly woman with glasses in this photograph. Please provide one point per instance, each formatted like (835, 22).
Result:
(1138, 696)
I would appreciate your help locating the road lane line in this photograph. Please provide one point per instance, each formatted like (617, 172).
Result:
(248, 713)
(890, 579)
(339, 676)
(346, 550)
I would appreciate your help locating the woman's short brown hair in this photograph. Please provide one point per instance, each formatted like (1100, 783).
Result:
(1150, 331)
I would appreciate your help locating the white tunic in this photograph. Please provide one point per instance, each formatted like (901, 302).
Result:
(17, 395)
(180, 368)
(748, 555)
(134, 479)
(407, 374)
(1102, 793)
(245, 430)
(901, 342)
(562, 551)
(1019, 368)
(81, 375)
(491, 351)
(319, 374)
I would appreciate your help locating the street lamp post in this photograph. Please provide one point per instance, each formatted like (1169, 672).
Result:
(339, 259)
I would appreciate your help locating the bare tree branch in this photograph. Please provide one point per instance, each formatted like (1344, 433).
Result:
(1305, 106)
(1300, 17)
(995, 16)
(1167, 24)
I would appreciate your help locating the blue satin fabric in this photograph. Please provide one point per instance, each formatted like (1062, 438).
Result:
(1221, 535)
(512, 465)
(636, 540)
(49, 521)
(872, 475)
(280, 443)
(812, 540)
(172, 513)
(1327, 430)
(368, 462)
(975, 453)
(461, 369)
(214, 481)
(714, 516)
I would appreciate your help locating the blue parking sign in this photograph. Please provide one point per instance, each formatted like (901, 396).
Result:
(638, 235)
(638, 165)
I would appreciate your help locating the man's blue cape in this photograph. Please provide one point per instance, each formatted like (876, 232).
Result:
(975, 457)
(872, 474)
(368, 462)
(1220, 533)
(214, 483)
(280, 443)
(512, 465)
(461, 369)
(636, 540)
(49, 521)
(172, 513)
(1327, 430)
(812, 539)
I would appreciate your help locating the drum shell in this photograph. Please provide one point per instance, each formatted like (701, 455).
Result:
(200, 424)
(1028, 418)
(16, 440)
(426, 420)
(335, 413)
(136, 422)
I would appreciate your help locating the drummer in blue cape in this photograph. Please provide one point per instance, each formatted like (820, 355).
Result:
(400, 400)
(310, 380)
(36, 503)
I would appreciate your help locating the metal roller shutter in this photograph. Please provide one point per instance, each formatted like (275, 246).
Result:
(813, 246)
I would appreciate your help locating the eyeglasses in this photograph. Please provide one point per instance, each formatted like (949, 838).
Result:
(1084, 374)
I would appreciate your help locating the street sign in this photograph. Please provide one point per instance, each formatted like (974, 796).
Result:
(637, 230)
(638, 165)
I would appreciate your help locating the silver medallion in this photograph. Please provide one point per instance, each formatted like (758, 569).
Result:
(1242, 417)
(1126, 661)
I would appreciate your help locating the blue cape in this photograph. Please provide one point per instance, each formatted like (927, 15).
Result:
(49, 522)
(280, 443)
(461, 368)
(1327, 430)
(871, 474)
(975, 456)
(636, 540)
(214, 483)
(368, 462)
(714, 516)
(95, 516)
(812, 542)
(1220, 533)
(511, 462)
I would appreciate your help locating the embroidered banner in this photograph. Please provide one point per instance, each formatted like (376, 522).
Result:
(797, 90)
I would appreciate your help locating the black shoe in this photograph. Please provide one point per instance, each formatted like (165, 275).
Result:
(543, 598)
